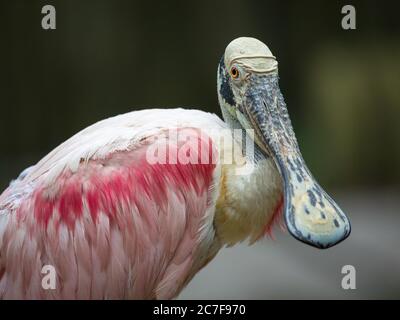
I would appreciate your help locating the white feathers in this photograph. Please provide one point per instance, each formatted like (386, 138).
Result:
(250, 202)
(119, 133)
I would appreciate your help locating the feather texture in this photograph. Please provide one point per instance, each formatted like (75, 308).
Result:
(112, 225)
(116, 224)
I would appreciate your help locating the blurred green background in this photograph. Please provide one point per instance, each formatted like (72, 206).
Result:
(342, 87)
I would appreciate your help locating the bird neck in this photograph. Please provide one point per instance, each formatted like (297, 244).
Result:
(249, 199)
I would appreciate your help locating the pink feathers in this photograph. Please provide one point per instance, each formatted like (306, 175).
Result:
(67, 202)
(276, 217)
(120, 179)
(116, 227)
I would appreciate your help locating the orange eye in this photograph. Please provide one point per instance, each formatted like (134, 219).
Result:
(234, 72)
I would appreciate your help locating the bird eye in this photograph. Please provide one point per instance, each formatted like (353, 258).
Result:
(234, 72)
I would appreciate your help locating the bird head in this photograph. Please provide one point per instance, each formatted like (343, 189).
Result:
(249, 94)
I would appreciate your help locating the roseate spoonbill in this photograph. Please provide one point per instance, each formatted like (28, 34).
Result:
(115, 225)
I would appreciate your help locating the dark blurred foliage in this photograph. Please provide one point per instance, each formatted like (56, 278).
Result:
(110, 57)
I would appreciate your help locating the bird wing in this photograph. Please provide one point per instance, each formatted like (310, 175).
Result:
(111, 224)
